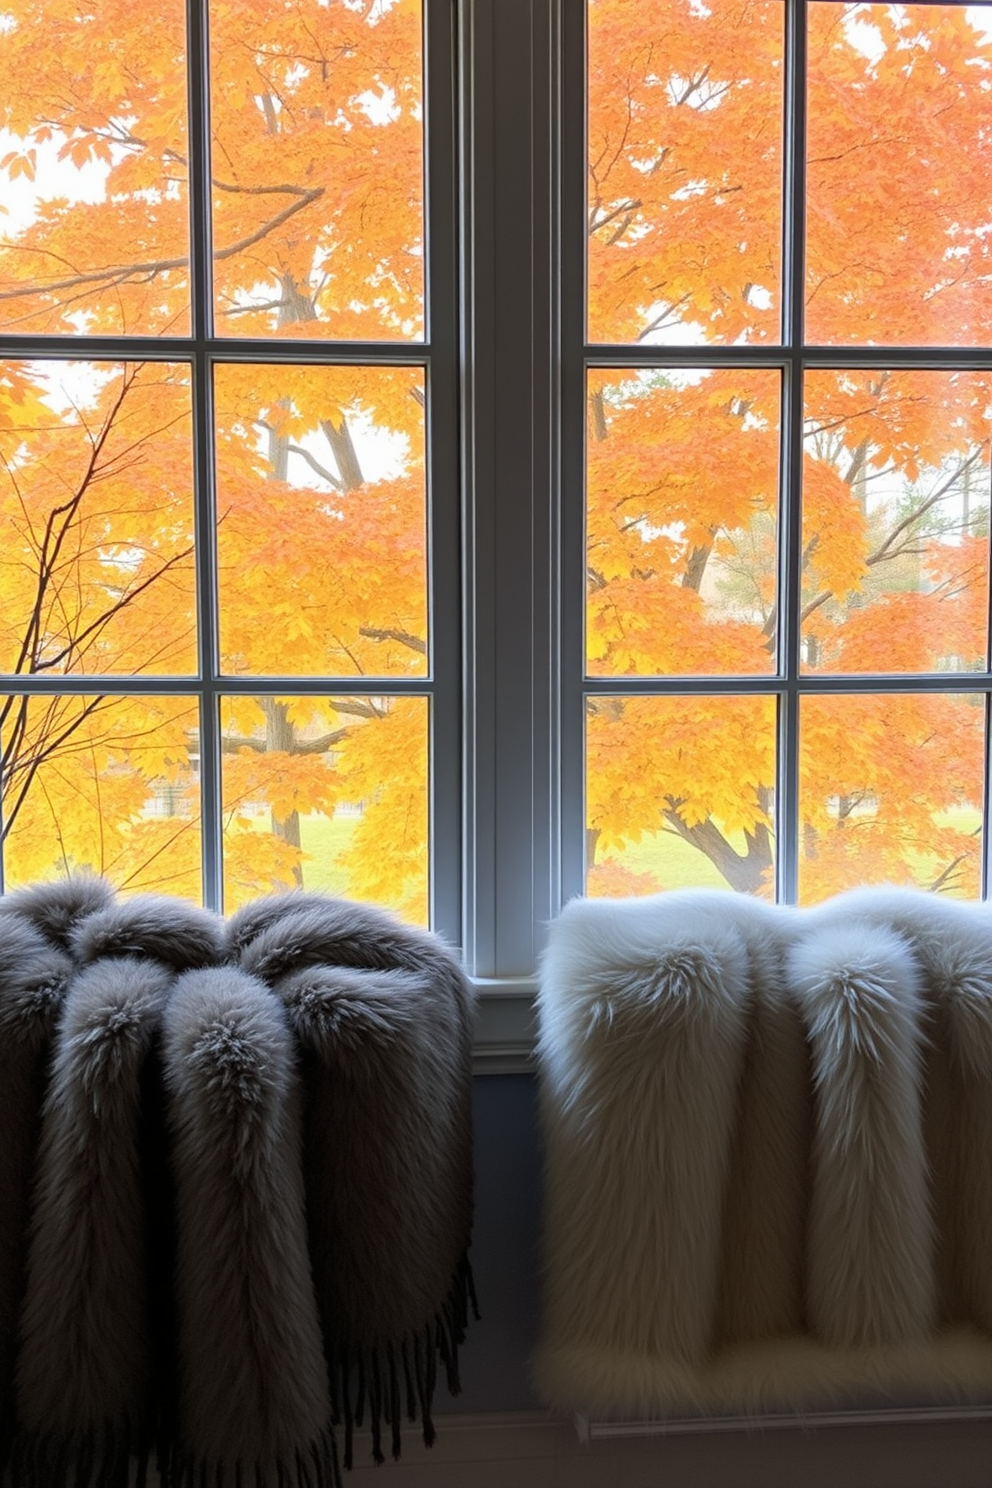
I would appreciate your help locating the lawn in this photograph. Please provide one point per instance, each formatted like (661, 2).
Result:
(672, 862)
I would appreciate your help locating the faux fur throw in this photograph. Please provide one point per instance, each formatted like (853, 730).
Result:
(383, 1017)
(768, 1153)
(236, 1166)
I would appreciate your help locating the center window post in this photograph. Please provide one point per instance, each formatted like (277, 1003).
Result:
(510, 90)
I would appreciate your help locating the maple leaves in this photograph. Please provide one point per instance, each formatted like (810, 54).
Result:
(686, 207)
(685, 168)
(900, 108)
(319, 473)
(316, 192)
(318, 169)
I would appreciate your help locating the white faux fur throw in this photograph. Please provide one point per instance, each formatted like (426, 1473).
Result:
(237, 1185)
(768, 1153)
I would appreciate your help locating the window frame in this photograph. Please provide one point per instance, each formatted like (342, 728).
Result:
(792, 357)
(201, 351)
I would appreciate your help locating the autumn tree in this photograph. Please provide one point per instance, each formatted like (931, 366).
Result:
(319, 467)
(316, 185)
(685, 202)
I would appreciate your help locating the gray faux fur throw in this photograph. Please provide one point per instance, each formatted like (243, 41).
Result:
(236, 1167)
(768, 1145)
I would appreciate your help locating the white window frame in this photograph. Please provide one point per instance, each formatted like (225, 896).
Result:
(201, 351)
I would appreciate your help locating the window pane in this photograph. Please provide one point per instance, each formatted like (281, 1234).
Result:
(890, 792)
(109, 784)
(96, 519)
(682, 483)
(316, 114)
(685, 171)
(900, 114)
(327, 793)
(95, 233)
(896, 521)
(679, 793)
(322, 520)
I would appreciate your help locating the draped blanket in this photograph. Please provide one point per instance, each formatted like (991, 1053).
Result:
(236, 1169)
(768, 1142)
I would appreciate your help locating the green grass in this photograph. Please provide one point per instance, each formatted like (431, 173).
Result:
(673, 862)
(676, 865)
(324, 839)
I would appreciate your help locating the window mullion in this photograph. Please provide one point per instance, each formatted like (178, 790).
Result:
(573, 400)
(509, 63)
(201, 290)
(442, 472)
(790, 526)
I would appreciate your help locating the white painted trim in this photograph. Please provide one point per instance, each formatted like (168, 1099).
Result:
(505, 1029)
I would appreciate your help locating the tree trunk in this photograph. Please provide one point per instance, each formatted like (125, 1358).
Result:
(748, 872)
(280, 736)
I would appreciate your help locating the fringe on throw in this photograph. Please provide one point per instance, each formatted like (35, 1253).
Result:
(391, 1380)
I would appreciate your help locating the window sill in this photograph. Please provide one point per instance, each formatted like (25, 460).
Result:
(505, 1028)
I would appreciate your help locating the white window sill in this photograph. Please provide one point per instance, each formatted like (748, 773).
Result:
(505, 1027)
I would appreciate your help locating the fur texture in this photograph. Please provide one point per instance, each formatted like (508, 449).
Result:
(177, 934)
(34, 976)
(56, 910)
(254, 1400)
(852, 1038)
(767, 1198)
(952, 943)
(383, 1016)
(643, 1027)
(84, 1371)
(152, 1132)
(870, 1258)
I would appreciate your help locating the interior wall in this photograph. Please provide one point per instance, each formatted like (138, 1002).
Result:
(495, 1360)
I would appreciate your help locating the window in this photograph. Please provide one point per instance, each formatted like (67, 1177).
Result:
(469, 454)
(229, 562)
(788, 393)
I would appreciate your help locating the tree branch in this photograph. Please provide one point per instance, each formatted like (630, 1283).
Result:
(315, 465)
(121, 273)
(415, 643)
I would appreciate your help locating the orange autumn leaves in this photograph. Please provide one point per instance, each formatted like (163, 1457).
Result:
(683, 499)
(98, 578)
(319, 470)
(316, 168)
(317, 227)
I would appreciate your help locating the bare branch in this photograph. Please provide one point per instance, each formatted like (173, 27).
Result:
(315, 465)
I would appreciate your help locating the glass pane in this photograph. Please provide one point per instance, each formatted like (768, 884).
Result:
(322, 520)
(317, 124)
(96, 519)
(94, 235)
(327, 793)
(900, 114)
(890, 791)
(896, 521)
(109, 784)
(682, 502)
(680, 794)
(685, 171)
